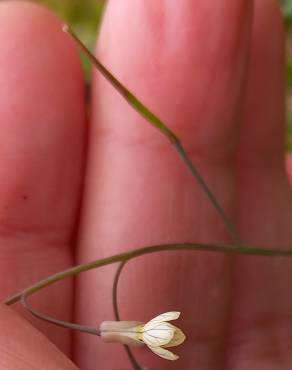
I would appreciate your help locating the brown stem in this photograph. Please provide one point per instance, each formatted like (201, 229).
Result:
(51, 320)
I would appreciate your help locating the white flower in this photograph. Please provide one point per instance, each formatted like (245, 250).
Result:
(158, 334)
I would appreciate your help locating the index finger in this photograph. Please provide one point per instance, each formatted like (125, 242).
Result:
(42, 119)
(138, 193)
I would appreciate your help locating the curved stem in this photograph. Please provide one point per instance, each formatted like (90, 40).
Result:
(115, 290)
(132, 358)
(130, 355)
(222, 248)
(51, 320)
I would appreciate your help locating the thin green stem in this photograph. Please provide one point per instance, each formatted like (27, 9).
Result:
(127, 95)
(161, 126)
(126, 256)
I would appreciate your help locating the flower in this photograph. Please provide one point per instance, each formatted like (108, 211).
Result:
(158, 334)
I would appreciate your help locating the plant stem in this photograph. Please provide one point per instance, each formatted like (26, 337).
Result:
(115, 290)
(126, 256)
(51, 320)
(126, 94)
(161, 126)
(128, 350)
(194, 171)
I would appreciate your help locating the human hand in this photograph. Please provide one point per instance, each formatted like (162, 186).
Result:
(189, 65)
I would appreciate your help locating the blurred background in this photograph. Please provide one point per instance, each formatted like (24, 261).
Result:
(85, 16)
(287, 13)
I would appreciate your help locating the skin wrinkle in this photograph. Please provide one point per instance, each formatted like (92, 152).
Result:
(45, 233)
(174, 76)
(163, 148)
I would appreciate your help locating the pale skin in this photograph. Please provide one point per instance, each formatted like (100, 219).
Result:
(72, 192)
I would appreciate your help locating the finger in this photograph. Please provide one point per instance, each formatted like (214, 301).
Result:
(23, 347)
(42, 129)
(262, 310)
(138, 193)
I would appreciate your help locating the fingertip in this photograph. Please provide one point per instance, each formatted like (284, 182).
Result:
(35, 31)
(42, 132)
(27, 17)
(42, 116)
(23, 347)
(187, 63)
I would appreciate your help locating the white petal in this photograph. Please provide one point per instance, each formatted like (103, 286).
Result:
(167, 316)
(178, 338)
(164, 353)
(158, 334)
